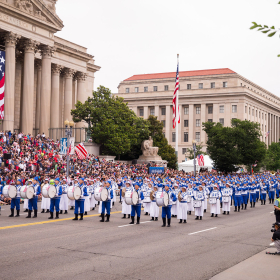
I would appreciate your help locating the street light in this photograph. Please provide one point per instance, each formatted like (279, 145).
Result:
(68, 133)
(194, 161)
(186, 157)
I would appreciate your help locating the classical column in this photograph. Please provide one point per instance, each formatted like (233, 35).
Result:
(168, 122)
(68, 74)
(191, 123)
(38, 65)
(28, 86)
(202, 120)
(9, 106)
(61, 99)
(55, 96)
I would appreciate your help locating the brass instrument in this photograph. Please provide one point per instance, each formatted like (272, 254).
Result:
(273, 173)
(123, 192)
(152, 195)
(179, 196)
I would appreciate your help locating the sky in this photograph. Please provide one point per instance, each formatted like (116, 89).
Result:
(128, 37)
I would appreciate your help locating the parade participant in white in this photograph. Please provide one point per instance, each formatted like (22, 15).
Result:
(175, 204)
(183, 208)
(154, 209)
(198, 203)
(214, 201)
(126, 209)
(63, 205)
(226, 195)
(87, 198)
(190, 196)
(46, 202)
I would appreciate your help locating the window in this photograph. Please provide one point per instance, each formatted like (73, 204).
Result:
(200, 85)
(212, 85)
(186, 137)
(221, 121)
(189, 86)
(262, 115)
(197, 122)
(253, 112)
(145, 89)
(210, 120)
(163, 111)
(184, 150)
(234, 108)
(163, 122)
(259, 114)
(249, 111)
(224, 84)
(141, 112)
(155, 88)
(222, 109)
(197, 136)
(262, 126)
(152, 111)
(165, 88)
(136, 89)
(256, 113)
(127, 90)
(186, 110)
(265, 116)
(210, 109)
(173, 137)
(186, 123)
(246, 109)
(197, 110)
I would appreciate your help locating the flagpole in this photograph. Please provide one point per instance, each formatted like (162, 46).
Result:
(177, 115)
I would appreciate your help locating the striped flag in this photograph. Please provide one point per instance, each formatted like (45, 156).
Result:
(200, 160)
(267, 134)
(81, 151)
(2, 83)
(175, 96)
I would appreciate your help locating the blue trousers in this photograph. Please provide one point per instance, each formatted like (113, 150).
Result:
(277, 193)
(15, 203)
(257, 194)
(244, 198)
(106, 205)
(32, 203)
(263, 196)
(252, 197)
(238, 200)
(271, 194)
(166, 211)
(137, 209)
(55, 203)
(79, 204)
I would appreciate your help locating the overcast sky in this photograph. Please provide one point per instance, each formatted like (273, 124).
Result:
(129, 37)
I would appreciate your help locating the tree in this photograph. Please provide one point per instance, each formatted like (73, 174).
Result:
(272, 159)
(111, 123)
(199, 151)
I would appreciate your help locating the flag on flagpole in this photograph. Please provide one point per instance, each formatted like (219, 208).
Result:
(81, 152)
(2, 83)
(267, 134)
(175, 96)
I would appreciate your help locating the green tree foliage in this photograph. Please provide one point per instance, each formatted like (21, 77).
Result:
(112, 123)
(272, 159)
(236, 145)
(199, 151)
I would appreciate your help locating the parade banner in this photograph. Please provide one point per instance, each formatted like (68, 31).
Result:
(63, 146)
(156, 170)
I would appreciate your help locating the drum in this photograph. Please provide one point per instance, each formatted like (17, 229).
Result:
(10, 191)
(225, 199)
(162, 199)
(128, 197)
(97, 193)
(147, 197)
(74, 193)
(197, 203)
(27, 192)
(212, 200)
(135, 198)
(48, 191)
(189, 199)
(104, 194)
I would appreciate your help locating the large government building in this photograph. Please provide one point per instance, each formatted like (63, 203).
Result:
(217, 95)
(45, 75)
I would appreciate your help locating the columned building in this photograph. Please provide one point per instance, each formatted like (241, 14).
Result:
(217, 95)
(45, 75)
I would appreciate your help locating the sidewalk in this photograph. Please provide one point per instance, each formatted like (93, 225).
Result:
(258, 267)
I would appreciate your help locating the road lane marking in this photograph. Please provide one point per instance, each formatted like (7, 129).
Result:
(134, 224)
(271, 212)
(52, 221)
(201, 231)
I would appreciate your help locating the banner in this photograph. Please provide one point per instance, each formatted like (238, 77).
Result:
(2, 83)
(63, 146)
(156, 170)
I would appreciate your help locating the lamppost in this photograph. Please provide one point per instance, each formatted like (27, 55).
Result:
(194, 159)
(186, 157)
(68, 133)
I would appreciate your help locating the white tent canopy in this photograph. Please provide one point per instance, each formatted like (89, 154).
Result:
(188, 166)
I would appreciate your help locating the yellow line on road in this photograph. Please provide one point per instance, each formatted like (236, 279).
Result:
(51, 221)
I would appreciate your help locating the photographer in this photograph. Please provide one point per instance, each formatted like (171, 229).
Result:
(276, 237)
(277, 209)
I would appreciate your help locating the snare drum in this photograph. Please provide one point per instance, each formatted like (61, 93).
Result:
(74, 193)
(49, 191)
(162, 199)
(225, 199)
(189, 199)
(27, 192)
(212, 200)
(197, 203)
(10, 191)
(147, 198)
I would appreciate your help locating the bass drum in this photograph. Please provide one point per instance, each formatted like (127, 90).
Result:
(74, 193)
(48, 191)
(27, 192)
(97, 193)
(10, 191)
(135, 198)
(128, 197)
(162, 199)
(104, 194)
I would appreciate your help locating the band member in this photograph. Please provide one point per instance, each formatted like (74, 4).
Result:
(166, 210)
(126, 209)
(190, 194)
(175, 205)
(215, 207)
(107, 204)
(147, 204)
(137, 208)
(32, 203)
(75, 182)
(271, 191)
(63, 205)
(154, 209)
(56, 200)
(79, 204)
(183, 208)
(237, 197)
(87, 198)
(227, 192)
(16, 201)
(264, 190)
(253, 193)
(244, 193)
(93, 202)
(200, 196)
(46, 202)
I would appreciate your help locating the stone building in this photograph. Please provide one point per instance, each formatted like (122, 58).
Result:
(45, 75)
(217, 95)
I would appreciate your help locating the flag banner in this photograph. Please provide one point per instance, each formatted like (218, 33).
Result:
(81, 151)
(200, 160)
(2, 83)
(63, 146)
(175, 96)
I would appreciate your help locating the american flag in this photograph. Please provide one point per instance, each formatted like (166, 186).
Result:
(2, 83)
(81, 151)
(200, 160)
(267, 134)
(175, 96)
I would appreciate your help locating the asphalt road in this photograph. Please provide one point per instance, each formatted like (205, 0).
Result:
(88, 249)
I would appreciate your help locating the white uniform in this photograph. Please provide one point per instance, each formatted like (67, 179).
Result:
(126, 209)
(190, 193)
(175, 204)
(227, 192)
(215, 208)
(199, 195)
(154, 209)
(147, 204)
(93, 202)
(63, 204)
(87, 202)
(183, 208)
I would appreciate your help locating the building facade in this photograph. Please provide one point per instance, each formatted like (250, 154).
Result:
(45, 75)
(217, 95)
